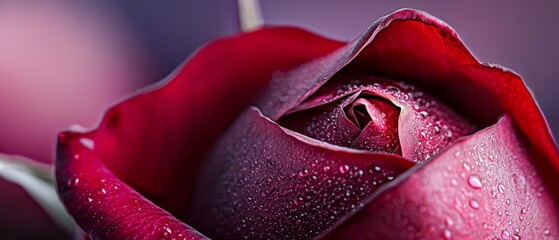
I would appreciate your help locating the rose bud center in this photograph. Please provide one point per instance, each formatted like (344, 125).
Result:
(378, 121)
(378, 115)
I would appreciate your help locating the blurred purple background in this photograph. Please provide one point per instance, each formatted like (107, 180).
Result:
(64, 63)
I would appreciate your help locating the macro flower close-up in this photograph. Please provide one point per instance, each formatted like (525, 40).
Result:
(278, 132)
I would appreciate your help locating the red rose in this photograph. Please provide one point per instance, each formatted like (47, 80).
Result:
(400, 134)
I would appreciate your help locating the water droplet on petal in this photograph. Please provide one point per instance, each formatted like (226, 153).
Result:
(101, 191)
(501, 188)
(344, 168)
(167, 232)
(505, 234)
(72, 182)
(449, 222)
(454, 182)
(546, 232)
(447, 234)
(474, 204)
(303, 173)
(475, 182)
(298, 201)
(90, 199)
(88, 143)
(466, 166)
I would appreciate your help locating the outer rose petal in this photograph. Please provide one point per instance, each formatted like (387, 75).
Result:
(423, 51)
(483, 187)
(263, 181)
(154, 142)
(426, 52)
(103, 205)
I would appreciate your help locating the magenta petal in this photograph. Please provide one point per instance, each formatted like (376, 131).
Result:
(421, 50)
(483, 187)
(155, 141)
(103, 205)
(327, 123)
(426, 52)
(264, 181)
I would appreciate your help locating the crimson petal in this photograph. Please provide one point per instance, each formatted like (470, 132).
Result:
(103, 205)
(425, 52)
(154, 141)
(483, 187)
(264, 181)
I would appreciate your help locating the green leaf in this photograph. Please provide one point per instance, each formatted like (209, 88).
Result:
(38, 181)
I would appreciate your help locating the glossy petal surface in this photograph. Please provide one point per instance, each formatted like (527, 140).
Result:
(154, 141)
(269, 182)
(483, 187)
(103, 205)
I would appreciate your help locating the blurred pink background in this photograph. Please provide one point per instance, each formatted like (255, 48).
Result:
(64, 63)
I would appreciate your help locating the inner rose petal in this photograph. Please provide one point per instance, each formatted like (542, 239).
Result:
(416, 125)
(263, 181)
(378, 120)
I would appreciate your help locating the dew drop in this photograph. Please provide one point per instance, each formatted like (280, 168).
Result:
(76, 156)
(360, 173)
(375, 169)
(516, 237)
(298, 201)
(474, 204)
(326, 168)
(303, 173)
(88, 143)
(167, 232)
(89, 199)
(523, 211)
(475, 182)
(392, 89)
(546, 232)
(466, 166)
(454, 182)
(101, 191)
(505, 234)
(424, 114)
(449, 222)
(344, 168)
(501, 188)
(72, 182)
(447, 234)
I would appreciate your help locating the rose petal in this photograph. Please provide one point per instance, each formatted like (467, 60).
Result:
(380, 126)
(425, 124)
(483, 187)
(427, 53)
(327, 123)
(421, 50)
(154, 141)
(264, 181)
(103, 205)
